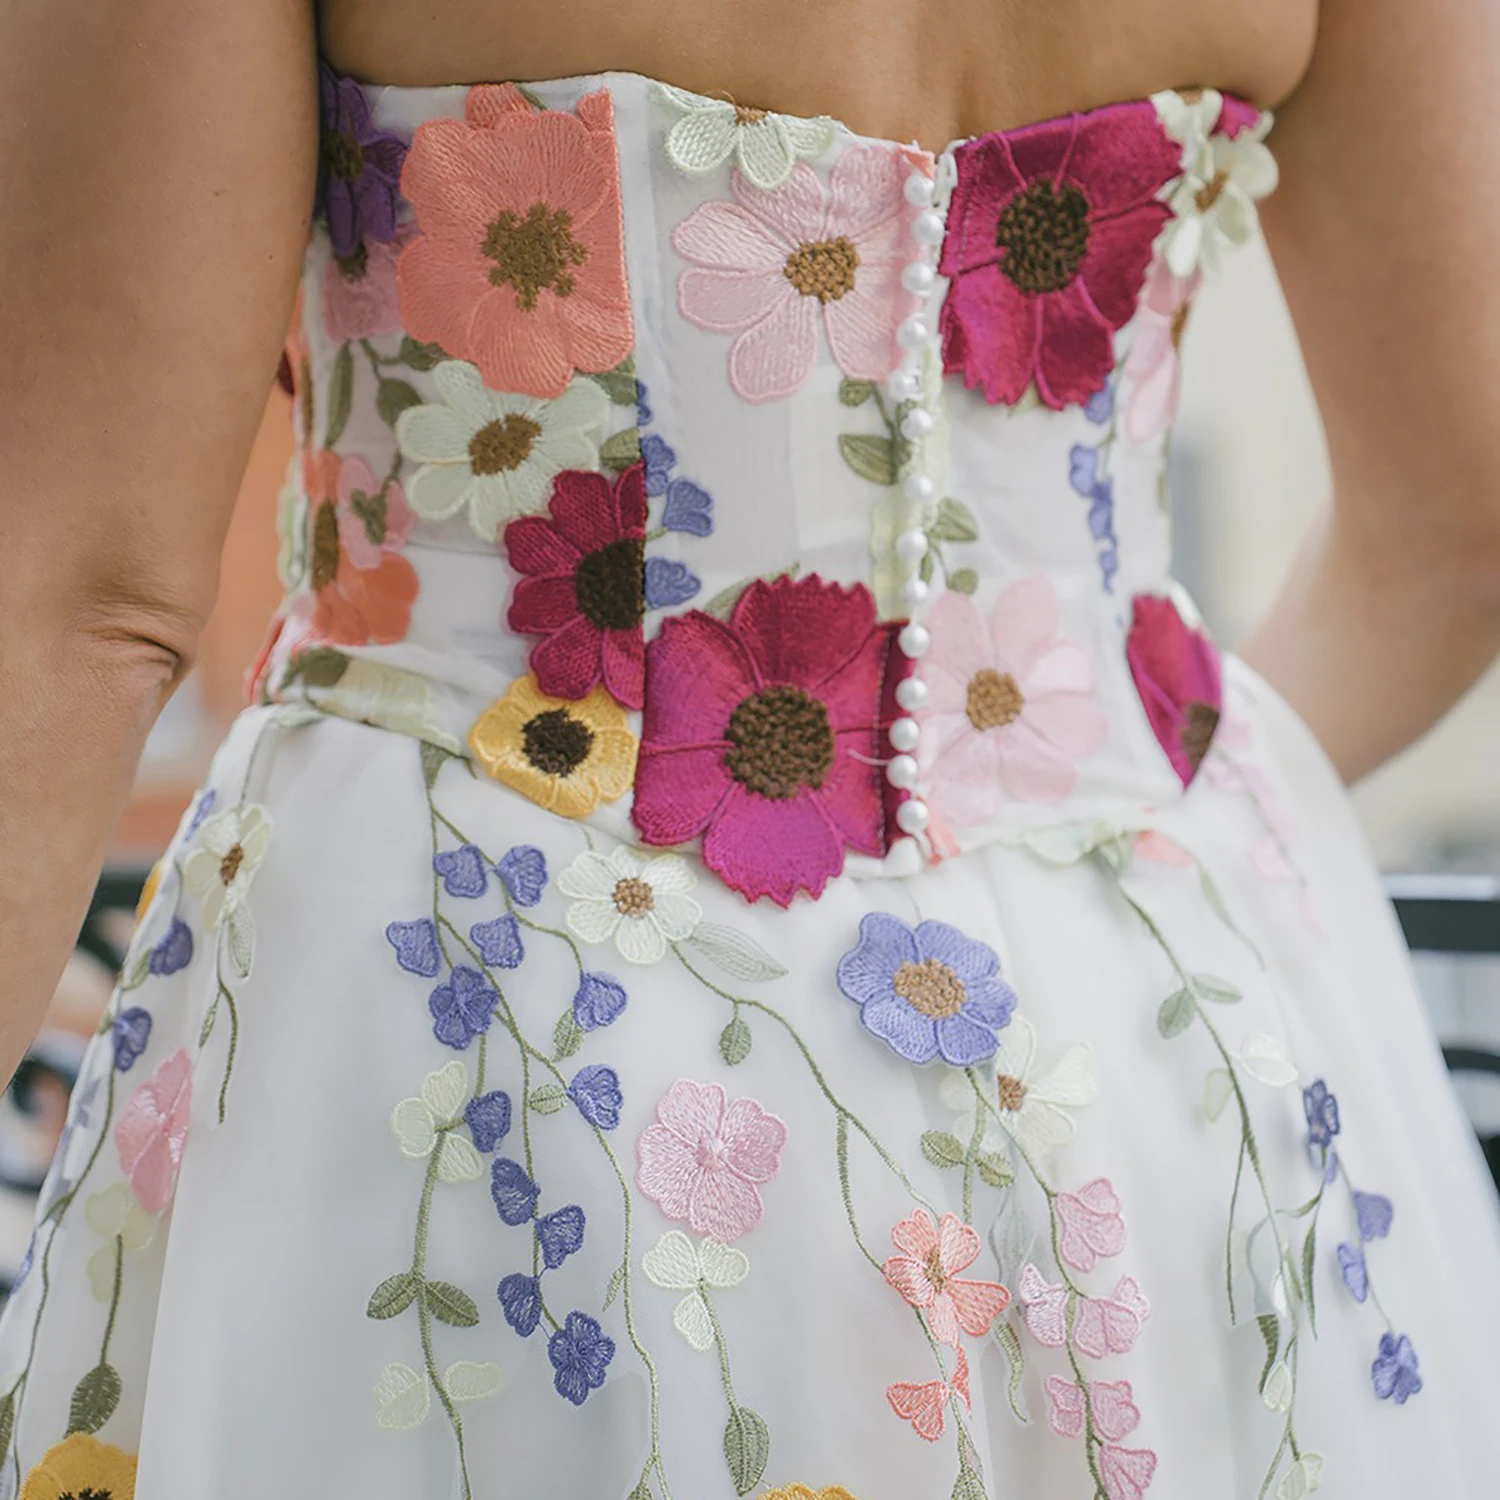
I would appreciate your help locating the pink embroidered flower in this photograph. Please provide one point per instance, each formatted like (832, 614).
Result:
(706, 1156)
(775, 264)
(1046, 1304)
(1089, 1223)
(1176, 672)
(764, 733)
(926, 1274)
(1111, 1325)
(1010, 708)
(925, 1406)
(582, 585)
(1112, 1402)
(1127, 1472)
(1153, 845)
(519, 266)
(152, 1128)
(360, 297)
(1050, 232)
(372, 521)
(1153, 365)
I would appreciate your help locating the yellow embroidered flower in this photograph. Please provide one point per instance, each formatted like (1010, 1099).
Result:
(79, 1466)
(148, 891)
(567, 756)
(801, 1492)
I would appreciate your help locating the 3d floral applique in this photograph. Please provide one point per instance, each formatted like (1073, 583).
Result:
(641, 904)
(518, 265)
(373, 517)
(802, 1492)
(152, 1129)
(221, 869)
(462, 1007)
(494, 454)
(925, 1403)
(359, 167)
(1395, 1369)
(773, 266)
(925, 1272)
(117, 1217)
(82, 1468)
(1090, 1227)
(678, 1264)
(765, 146)
(425, 1123)
(580, 1352)
(1177, 674)
(1153, 369)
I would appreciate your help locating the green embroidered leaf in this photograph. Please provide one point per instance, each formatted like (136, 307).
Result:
(738, 955)
(1289, 1270)
(434, 758)
(1309, 1252)
(1176, 1014)
(734, 1042)
(872, 458)
(7, 1419)
(968, 1485)
(1210, 987)
(747, 1448)
(618, 384)
(392, 397)
(621, 450)
(1270, 1331)
(1306, 1208)
(963, 581)
(955, 523)
(138, 973)
(1007, 1338)
(320, 666)
(417, 355)
(995, 1169)
(340, 395)
(567, 1035)
(394, 1295)
(94, 1399)
(548, 1099)
(616, 1281)
(721, 606)
(855, 392)
(927, 566)
(450, 1304)
(642, 1491)
(207, 1029)
(943, 1149)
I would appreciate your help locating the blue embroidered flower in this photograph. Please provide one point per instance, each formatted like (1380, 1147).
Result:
(488, 1119)
(927, 991)
(499, 942)
(596, 1091)
(514, 1192)
(600, 999)
(669, 582)
(642, 405)
(1322, 1111)
(132, 1030)
(463, 871)
(1083, 475)
(173, 951)
(1354, 1271)
(416, 945)
(1374, 1214)
(463, 1007)
(580, 1352)
(523, 872)
(25, 1267)
(1100, 407)
(1394, 1371)
(200, 813)
(521, 1302)
(689, 508)
(659, 458)
(560, 1234)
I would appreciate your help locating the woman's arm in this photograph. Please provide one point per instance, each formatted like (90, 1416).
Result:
(1386, 233)
(157, 161)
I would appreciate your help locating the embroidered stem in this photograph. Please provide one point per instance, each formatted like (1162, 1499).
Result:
(114, 1301)
(970, 1157)
(234, 1044)
(720, 1346)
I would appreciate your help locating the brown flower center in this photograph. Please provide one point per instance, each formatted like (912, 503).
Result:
(1211, 191)
(88, 1492)
(305, 394)
(780, 741)
(343, 156)
(1179, 324)
(533, 254)
(931, 987)
(1045, 231)
(503, 444)
(325, 546)
(354, 267)
(1012, 1092)
(634, 897)
(933, 1265)
(1199, 723)
(229, 866)
(370, 509)
(823, 268)
(994, 700)
(747, 114)
(610, 584)
(555, 742)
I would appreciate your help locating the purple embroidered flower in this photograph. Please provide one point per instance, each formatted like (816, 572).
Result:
(521, 1302)
(669, 582)
(659, 457)
(523, 872)
(580, 1352)
(416, 945)
(596, 1091)
(1100, 407)
(499, 942)
(1322, 1111)
(132, 1030)
(600, 999)
(1354, 1271)
(689, 508)
(1395, 1369)
(204, 807)
(514, 1192)
(463, 871)
(1083, 475)
(560, 1234)
(359, 168)
(488, 1119)
(643, 411)
(1374, 1213)
(463, 1007)
(173, 951)
(927, 991)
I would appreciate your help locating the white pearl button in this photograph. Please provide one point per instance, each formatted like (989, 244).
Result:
(911, 693)
(918, 277)
(914, 639)
(928, 227)
(903, 386)
(915, 592)
(902, 772)
(911, 546)
(917, 423)
(905, 734)
(912, 816)
(911, 333)
(918, 487)
(919, 189)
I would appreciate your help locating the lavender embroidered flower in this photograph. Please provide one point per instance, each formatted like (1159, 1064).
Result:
(668, 583)
(1322, 1111)
(689, 506)
(523, 872)
(1100, 407)
(462, 1008)
(659, 457)
(600, 999)
(927, 991)
(463, 871)
(580, 1352)
(132, 1030)
(596, 1091)
(499, 942)
(200, 813)
(1395, 1369)
(359, 168)
(1353, 1269)
(1374, 1213)
(560, 1234)
(1083, 475)
(416, 945)
(488, 1119)
(521, 1302)
(514, 1192)
(173, 951)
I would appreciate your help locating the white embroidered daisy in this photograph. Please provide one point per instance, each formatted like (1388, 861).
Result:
(765, 146)
(123, 1224)
(221, 870)
(495, 453)
(642, 904)
(420, 1123)
(676, 1264)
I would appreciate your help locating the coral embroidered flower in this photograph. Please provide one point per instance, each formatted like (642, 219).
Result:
(774, 265)
(568, 757)
(1395, 1369)
(494, 454)
(1089, 1224)
(520, 263)
(925, 1406)
(1153, 366)
(926, 1274)
(580, 1352)
(1010, 708)
(926, 990)
(1050, 233)
(82, 1468)
(764, 145)
(359, 167)
(642, 904)
(1176, 672)
(428, 1123)
(152, 1129)
(676, 1264)
(373, 518)
(582, 586)
(359, 291)
(221, 869)
(124, 1225)
(706, 1157)
(763, 735)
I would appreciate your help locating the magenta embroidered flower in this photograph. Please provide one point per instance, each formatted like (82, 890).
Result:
(372, 519)
(1153, 366)
(152, 1130)
(926, 1274)
(1089, 1223)
(1010, 708)
(776, 263)
(1050, 233)
(763, 734)
(582, 586)
(1112, 1403)
(360, 297)
(706, 1158)
(1176, 672)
